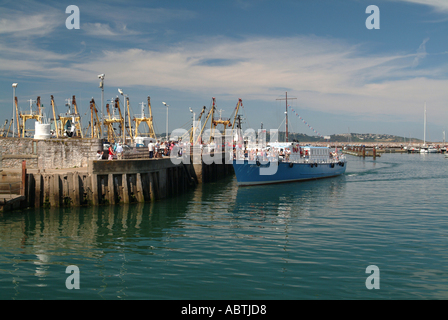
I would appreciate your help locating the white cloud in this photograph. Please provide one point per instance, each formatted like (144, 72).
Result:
(19, 25)
(421, 53)
(438, 5)
(101, 29)
(132, 14)
(327, 75)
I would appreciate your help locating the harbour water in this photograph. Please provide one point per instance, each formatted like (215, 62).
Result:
(308, 240)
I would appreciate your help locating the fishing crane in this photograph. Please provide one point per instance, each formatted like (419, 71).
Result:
(96, 130)
(194, 128)
(17, 117)
(148, 120)
(4, 128)
(73, 117)
(24, 116)
(129, 125)
(114, 119)
(55, 120)
(214, 123)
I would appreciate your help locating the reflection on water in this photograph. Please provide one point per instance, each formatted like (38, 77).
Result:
(293, 241)
(286, 201)
(37, 240)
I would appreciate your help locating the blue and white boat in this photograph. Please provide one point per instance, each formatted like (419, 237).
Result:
(287, 162)
(299, 164)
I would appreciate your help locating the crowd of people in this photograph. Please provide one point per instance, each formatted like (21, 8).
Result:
(115, 149)
(157, 149)
(263, 154)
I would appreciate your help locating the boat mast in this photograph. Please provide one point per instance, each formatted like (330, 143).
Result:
(424, 128)
(286, 122)
(286, 112)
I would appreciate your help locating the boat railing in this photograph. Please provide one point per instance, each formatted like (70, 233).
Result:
(296, 160)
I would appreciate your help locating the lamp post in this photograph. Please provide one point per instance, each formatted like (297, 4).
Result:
(101, 77)
(166, 105)
(194, 127)
(14, 86)
(124, 107)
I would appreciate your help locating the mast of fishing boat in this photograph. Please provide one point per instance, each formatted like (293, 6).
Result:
(424, 127)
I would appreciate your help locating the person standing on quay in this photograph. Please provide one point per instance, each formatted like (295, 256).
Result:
(157, 149)
(111, 153)
(151, 150)
(119, 151)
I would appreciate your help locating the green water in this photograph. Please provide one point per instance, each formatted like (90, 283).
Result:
(309, 240)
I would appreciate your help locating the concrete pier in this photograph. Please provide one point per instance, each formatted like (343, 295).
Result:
(113, 182)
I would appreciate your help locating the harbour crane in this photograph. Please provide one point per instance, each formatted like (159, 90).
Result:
(95, 124)
(31, 115)
(143, 119)
(112, 120)
(72, 117)
(4, 127)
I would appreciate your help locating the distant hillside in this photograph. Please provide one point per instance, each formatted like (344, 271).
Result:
(346, 137)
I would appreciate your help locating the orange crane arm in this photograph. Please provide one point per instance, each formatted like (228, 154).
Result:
(54, 118)
(17, 117)
(240, 102)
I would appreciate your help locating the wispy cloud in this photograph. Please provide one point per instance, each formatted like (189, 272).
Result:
(102, 29)
(438, 5)
(20, 25)
(330, 75)
(134, 14)
(421, 53)
(253, 67)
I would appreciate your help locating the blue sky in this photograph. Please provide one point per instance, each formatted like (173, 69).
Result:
(344, 76)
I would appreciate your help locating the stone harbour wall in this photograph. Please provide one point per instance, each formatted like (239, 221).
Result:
(47, 154)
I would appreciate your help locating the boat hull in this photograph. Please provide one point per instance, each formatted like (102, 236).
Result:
(248, 173)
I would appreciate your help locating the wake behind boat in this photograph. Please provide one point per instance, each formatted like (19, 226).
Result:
(288, 164)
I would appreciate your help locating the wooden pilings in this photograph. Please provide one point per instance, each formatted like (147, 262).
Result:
(77, 189)
(361, 151)
(117, 182)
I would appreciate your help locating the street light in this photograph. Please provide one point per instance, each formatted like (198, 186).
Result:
(166, 105)
(124, 107)
(101, 77)
(194, 127)
(14, 86)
